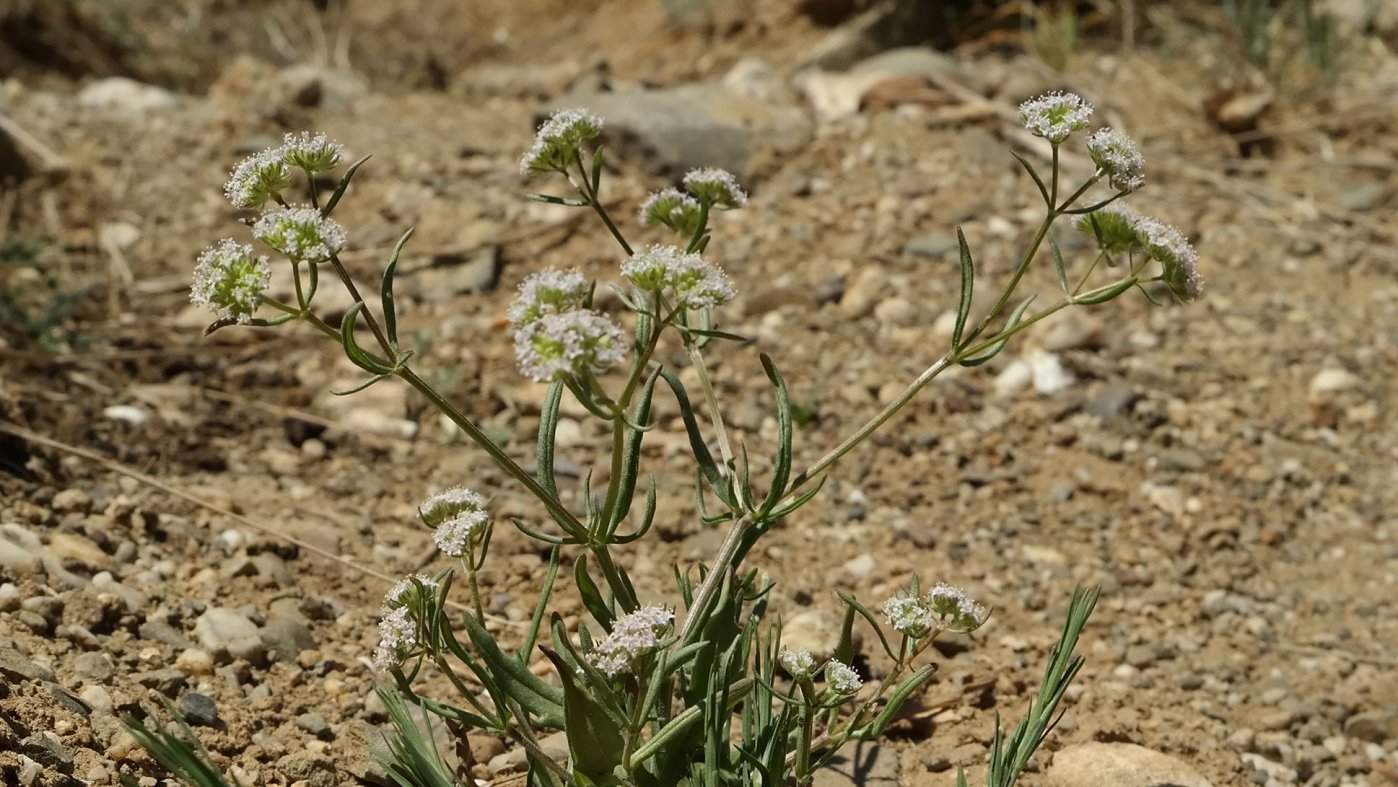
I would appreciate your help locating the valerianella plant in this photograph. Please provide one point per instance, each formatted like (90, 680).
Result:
(698, 690)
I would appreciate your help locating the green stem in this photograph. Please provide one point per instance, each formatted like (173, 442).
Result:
(725, 449)
(585, 189)
(717, 572)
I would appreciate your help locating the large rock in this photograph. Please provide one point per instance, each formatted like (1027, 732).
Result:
(1119, 765)
(698, 125)
(127, 95)
(224, 631)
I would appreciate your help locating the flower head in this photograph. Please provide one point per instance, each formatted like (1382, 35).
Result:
(692, 282)
(409, 591)
(459, 516)
(568, 344)
(952, 609)
(717, 187)
(230, 281)
(550, 291)
(633, 635)
(672, 208)
(397, 638)
(908, 615)
(1115, 227)
(258, 179)
(1117, 155)
(302, 234)
(1055, 116)
(559, 138)
(311, 153)
(797, 663)
(842, 678)
(1179, 263)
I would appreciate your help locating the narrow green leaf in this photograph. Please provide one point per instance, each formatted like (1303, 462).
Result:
(548, 431)
(804, 498)
(844, 651)
(631, 454)
(1107, 293)
(710, 333)
(361, 386)
(591, 596)
(961, 777)
(597, 170)
(1038, 181)
(390, 315)
(340, 189)
(647, 519)
(879, 723)
(532, 637)
(364, 360)
(523, 686)
(968, 284)
(702, 456)
(682, 723)
(540, 535)
(994, 349)
(853, 603)
(1058, 265)
(552, 200)
(781, 471)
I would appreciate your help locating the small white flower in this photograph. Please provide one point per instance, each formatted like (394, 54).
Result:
(459, 517)
(841, 678)
(1055, 116)
(230, 281)
(953, 609)
(1119, 157)
(257, 179)
(633, 635)
(549, 291)
(690, 280)
(397, 638)
(715, 186)
(556, 145)
(797, 663)
(908, 615)
(302, 234)
(569, 344)
(311, 153)
(672, 208)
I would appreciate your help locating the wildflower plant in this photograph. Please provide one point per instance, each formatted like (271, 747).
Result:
(699, 690)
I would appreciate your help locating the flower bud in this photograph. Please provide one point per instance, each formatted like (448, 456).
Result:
(459, 516)
(797, 663)
(258, 179)
(953, 610)
(672, 208)
(841, 678)
(311, 153)
(230, 281)
(689, 280)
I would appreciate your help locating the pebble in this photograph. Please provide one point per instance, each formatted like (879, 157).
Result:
(96, 667)
(314, 723)
(286, 638)
(1119, 765)
(198, 709)
(97, 697)
(222, 630)
(861, 566)
(194, 661)
(72, 500)
(1374, 726)
(9, 597)
(813, 630)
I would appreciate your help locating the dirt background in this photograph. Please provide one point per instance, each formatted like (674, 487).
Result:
(1225, 471)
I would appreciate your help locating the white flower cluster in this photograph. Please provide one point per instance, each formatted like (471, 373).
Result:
(797, 663)
(1117, 155)
(952, 609)
(398, 629)
(230, 281)
(672, 208)
(555, 337)
(688, 280)
(1118, 228)
(459, 516)
(261, 177)
(841, 678)
(302, 234)
(908, 615)
(557, 144)
(715, 186)
(1055, 116)
(633, 635)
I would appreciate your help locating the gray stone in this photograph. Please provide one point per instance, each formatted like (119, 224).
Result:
(813, 630)
(454, 274)
(914, 61)
(224, 631)
(934, 246)
(1115, 398)
(1365, 195)
(198, 710)
(9, 596)
(47, 607)
(1180, 460)
(285, 638)
(314, 723)
(1375, 726)
(697, 125)
(160, 631)
(1119, 765)
(96, 667)
(15, 666)
(19, 556)
(47, 750)
(272, 567)
(127, 95)
(168, 681)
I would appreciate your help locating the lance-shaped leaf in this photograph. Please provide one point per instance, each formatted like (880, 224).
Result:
(1038, 181)
(631, 454)
(340, 189)
(854, 604)
(912, 683)
(1104, 294)
(597, 170)
(594, 740)
(707, 466)
(390, 315)
(515, 679)
(1058, 265)
(552, 200)
(782, 470)
(591, 595)
(647, 519)
(532, 637)
(968, 286)
(548, 431)
(994, 349)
